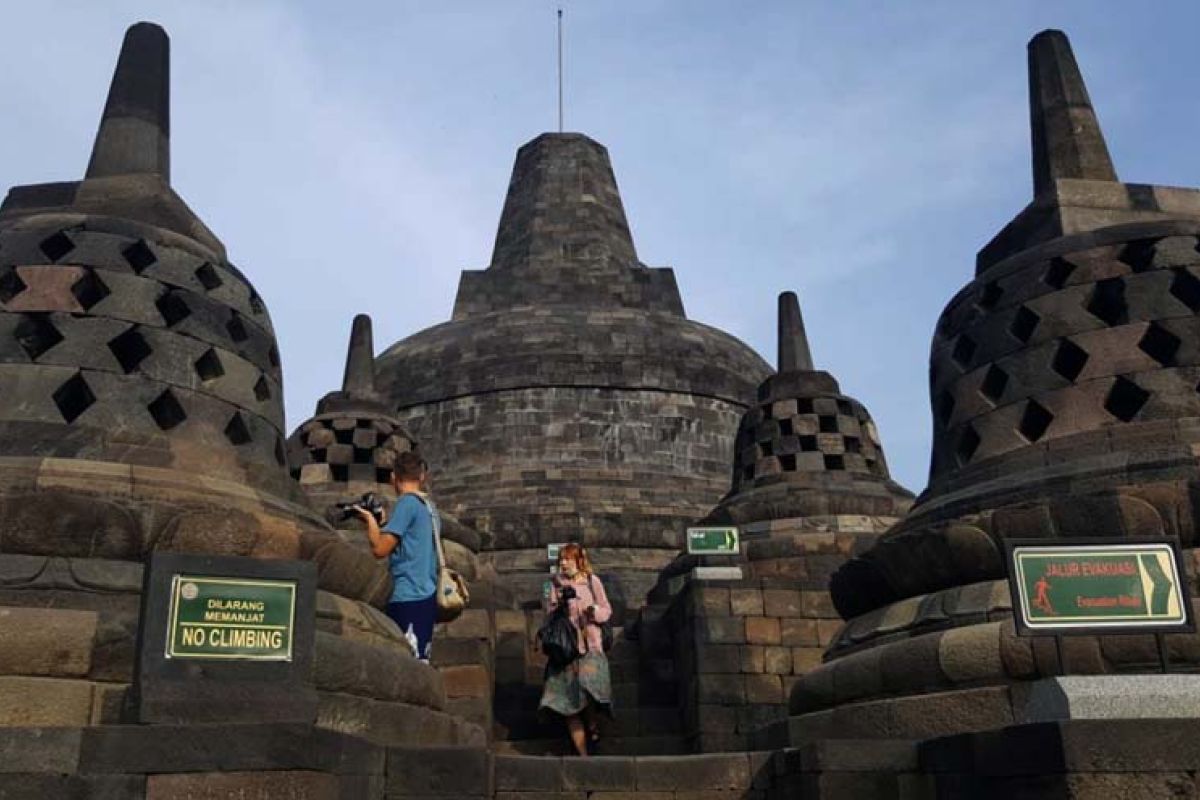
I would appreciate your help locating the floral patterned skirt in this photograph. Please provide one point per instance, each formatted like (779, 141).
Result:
(568, 690)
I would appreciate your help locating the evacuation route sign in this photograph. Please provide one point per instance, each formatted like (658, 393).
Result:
(240, 619)
(712, 541)
(1060, 588)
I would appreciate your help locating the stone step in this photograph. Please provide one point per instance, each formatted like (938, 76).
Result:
(607, 746)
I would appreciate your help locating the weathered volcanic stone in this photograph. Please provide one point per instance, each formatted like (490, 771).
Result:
(569, 398)
(1063, 376)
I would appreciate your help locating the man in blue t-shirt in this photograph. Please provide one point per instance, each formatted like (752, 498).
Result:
(407, 542)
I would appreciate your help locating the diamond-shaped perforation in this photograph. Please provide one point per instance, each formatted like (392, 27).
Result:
(11, 284)
(1107, 302)
(74, 397)
(89, 289)
(968, 443)
(36, 334)
(209, 366)
(56, 246)
(256, 303)
(237, 431)
(1186, 288)
(273, 356)
(173, 307)
(130, 349)
(1035, 419)
(1125, 399)
(1069, 359)
(944, 407)
(1160, 344)
(1023, 324)
(994, 383)
(1057, 273)
(139, 256)
(280, 453)
(1138, 254)
(989, 295)
(237, 328)
(208, 276)
(166, 410)
(964, 351)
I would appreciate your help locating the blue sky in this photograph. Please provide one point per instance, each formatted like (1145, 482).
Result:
(354, 157)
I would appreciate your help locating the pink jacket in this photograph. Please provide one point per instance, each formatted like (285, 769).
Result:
(589, 627)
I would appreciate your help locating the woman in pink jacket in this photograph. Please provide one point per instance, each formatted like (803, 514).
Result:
(577, 690)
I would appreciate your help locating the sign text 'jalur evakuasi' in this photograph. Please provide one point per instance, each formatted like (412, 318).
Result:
(1060, 587)
(231, 618)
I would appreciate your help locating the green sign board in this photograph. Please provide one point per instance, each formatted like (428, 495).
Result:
(231, 618)
(712, 541)
(1064, 587)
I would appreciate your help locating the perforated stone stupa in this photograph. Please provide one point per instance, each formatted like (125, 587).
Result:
(1064, 388)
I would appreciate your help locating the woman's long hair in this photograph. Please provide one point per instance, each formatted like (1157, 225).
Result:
(576, 552)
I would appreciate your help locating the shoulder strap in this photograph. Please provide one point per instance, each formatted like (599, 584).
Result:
(436, 522)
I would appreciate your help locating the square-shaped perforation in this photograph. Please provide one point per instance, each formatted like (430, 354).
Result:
(36, 334)
(1069, 359)
(173, 307)
(963, 352)
(1138, 254)
(835, 462)
(1023, 324)
(1057, 273)
(968, 443)
(989, 295)
(130, 349)
(943, 407)
(209, 366)
(139, 256)
(236, 328)
(166, 410)
(1107, 302)
(11, 284)
(56, 245)
(73, 397)
(1035, 419)
(808, 444)
(1125, 399)
(237, 432)
(208, 277)
(1186, 288)
(788, 462)
(89, 290)
(1160, 344)
(995, 380)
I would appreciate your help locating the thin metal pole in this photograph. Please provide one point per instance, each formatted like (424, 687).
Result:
(560, 73)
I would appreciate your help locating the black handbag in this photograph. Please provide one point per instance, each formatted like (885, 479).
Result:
(559, 638)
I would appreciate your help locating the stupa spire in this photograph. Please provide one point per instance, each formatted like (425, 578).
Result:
(1066, 136)
(359, 378)
(135, 130)
(794, 353)
(562, 207)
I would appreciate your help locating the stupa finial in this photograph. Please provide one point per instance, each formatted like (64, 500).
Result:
(135, 131)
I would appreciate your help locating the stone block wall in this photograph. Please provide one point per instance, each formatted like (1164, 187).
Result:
(464, 654)
(739, 647)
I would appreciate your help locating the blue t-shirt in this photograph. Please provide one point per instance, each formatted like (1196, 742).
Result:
(413, 563)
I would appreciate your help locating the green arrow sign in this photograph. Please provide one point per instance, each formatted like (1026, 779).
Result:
(712, 541)
(1063, 587)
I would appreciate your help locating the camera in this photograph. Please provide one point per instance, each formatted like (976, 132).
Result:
(369, 502)
(566, 593)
